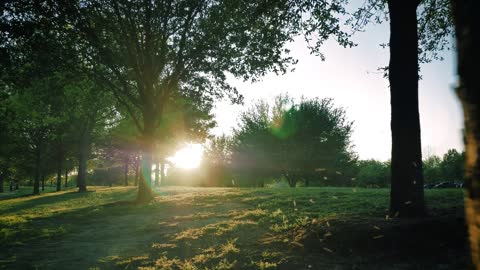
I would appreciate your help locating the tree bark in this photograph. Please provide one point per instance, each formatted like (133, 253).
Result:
(59, 170)
(137, 167)
(66, 177)
(157, 173)
(162, 172)
(36, 181)
(84, 152)
(467, 24)
(1, 183)
(125, 170)
(145, 181)
(145, 184)
(407, 198)
(291, 181)
(43, 182)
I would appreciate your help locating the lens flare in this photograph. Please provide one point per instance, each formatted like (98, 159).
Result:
(188, 157)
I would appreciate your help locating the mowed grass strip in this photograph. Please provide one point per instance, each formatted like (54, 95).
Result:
(229, 228)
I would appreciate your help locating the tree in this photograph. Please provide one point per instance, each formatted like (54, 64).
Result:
(373, 173)
(217, 159)
(253, 144)
(92, 112)
(293, 140)
(146, 51)
(452, 165)
(432, 169)
(314, 135)
(407, 197)
(467, 23)
(432, 28)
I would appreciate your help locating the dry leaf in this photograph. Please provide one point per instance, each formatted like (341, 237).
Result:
(328, 250)
(296, 244)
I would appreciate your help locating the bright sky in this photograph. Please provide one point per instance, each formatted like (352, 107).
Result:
(350, 77)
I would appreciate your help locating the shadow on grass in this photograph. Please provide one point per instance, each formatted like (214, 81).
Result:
(238, 229)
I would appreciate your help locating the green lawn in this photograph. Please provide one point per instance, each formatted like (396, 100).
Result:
(223, 228)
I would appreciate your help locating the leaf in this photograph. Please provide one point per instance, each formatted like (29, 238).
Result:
(328, 250)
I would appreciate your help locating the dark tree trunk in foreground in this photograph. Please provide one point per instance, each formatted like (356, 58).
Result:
(467, 23)
(1, 183)
(84, 152)
(66, 177)
(407, 198)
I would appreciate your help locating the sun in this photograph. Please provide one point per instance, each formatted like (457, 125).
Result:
(188, 157)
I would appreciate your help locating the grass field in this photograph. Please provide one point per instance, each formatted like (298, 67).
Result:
(221, 228)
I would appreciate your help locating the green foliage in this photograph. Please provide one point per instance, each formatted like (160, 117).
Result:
(449, 168)
(452, 165)
(373, 173)
(435, 24)
(296, 141)
(432, 171)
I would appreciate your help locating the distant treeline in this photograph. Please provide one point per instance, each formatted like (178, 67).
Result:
(360, 173)
(287, 143)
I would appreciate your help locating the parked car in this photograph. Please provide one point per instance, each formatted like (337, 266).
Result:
(445, 185)
(431, 185)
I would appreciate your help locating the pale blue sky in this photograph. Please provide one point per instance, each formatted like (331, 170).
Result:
(350, 77)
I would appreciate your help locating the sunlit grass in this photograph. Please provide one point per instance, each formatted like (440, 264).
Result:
(217, 228)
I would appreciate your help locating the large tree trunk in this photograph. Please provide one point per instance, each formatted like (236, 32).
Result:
(66, 177)
(125, 170)
(43, 181)
(157, 173)
(145, 180)
(407, 198)
(467, 24)
(137, 168)
(84, 153)
(36, 181)
(59, 170)
(2, 177)
(162, 172)
(145, 185)
(292, 181)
